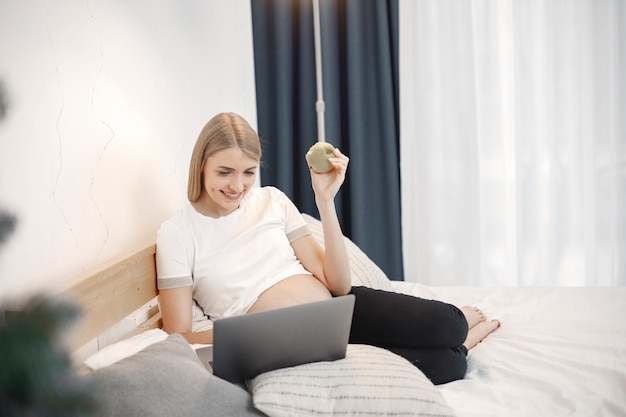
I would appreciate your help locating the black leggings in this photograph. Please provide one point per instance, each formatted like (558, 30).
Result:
(428, 333)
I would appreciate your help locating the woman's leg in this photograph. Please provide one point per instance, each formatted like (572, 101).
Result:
(428, 333)
(392, 320)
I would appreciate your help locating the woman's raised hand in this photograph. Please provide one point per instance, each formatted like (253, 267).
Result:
(327, 185)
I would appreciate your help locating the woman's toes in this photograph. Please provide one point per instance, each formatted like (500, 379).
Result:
(473, 315)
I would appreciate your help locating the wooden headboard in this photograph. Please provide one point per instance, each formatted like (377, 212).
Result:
(113, 292)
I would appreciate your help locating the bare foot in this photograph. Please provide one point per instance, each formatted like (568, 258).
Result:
(478, 332)
(473, 315)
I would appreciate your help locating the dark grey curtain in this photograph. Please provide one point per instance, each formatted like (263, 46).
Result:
(360, 69)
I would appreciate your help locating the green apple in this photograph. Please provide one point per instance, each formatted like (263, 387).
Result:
(318, 155)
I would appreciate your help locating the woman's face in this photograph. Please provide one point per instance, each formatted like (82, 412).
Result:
(227, 176)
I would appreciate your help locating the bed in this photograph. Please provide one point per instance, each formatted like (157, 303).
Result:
(559, 352)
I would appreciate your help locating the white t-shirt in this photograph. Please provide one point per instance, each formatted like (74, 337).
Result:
(231, 260)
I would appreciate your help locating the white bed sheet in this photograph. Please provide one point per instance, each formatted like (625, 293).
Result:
(559, 352)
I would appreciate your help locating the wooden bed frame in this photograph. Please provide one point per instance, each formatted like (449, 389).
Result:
(112, 293)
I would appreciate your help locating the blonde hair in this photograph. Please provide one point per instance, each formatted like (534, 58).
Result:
(223, 131)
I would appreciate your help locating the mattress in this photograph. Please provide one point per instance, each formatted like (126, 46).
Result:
(559, 351)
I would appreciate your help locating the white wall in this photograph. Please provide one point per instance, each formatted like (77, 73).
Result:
(106, 99)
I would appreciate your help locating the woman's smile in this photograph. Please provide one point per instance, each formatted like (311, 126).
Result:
(233, 196)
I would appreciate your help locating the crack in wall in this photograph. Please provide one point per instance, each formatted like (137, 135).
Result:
(109, 140)
(58, 133)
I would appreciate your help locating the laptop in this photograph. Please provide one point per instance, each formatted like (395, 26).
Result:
(248, 345)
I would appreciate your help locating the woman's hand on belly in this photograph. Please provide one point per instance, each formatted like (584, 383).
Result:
(295, 290)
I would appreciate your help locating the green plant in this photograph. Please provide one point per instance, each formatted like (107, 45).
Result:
(36, 377)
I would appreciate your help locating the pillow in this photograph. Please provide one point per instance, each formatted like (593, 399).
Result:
(167, 379)
(124, 348)
(368, 381)
(364, 271)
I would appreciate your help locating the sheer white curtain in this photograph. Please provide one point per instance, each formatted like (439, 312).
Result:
(513, 142)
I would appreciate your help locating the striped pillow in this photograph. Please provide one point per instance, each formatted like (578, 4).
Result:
(368, 381)
(364, 271)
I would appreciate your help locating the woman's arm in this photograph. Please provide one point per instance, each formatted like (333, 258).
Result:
(330, 265)
(175, 307)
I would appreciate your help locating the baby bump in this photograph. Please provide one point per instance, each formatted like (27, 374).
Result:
(295, 290)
